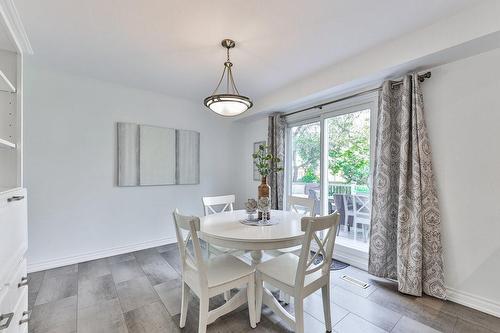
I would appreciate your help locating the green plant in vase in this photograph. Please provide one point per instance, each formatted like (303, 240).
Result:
(266, 164)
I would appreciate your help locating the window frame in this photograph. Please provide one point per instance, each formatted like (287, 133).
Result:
(368, 101)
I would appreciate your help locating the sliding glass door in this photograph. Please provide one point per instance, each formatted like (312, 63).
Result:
(348, 173)
(329, 160)
(305, 154)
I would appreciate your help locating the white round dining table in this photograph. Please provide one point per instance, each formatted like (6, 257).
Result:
(226, 230)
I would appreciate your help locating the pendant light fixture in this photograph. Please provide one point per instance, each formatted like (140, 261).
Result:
(229, 103)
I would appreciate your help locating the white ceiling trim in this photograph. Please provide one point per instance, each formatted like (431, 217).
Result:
(15, 26)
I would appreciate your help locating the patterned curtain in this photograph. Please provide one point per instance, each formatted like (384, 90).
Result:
(405, 240)
(276, 143)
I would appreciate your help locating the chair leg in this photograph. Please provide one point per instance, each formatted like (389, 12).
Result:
(203, 319)
(184, 304)
(258, 296)
(298, 304)
(325, 291)
(251, 301)
(227, 295)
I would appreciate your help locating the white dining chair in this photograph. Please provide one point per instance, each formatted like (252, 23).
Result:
(300, 276)
(209, 278)
(361, 216)
(302, 206)
(212, 205)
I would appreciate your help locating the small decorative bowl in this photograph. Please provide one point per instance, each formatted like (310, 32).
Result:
(251, 208)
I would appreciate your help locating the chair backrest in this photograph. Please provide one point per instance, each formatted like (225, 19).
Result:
(311, 186)
(210, 202)
(339, 203)
(191, 225)
(311, 226)
(314, 196)
(362, 207)
(301, 205)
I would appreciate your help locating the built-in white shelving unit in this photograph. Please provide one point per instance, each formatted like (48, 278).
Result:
(5, 84)
(9, 129)
(4, 144)
(14, 284)
(10, 119)
(13, 44)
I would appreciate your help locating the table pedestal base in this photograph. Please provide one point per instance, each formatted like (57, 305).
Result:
(256, 257)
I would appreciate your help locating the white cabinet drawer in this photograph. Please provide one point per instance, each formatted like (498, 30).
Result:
(17, 285)
(7, 315)
(16, 320)
(21, 314)
(13, 231)
(14, 300)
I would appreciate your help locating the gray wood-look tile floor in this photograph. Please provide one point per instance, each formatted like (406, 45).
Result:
(140, 292)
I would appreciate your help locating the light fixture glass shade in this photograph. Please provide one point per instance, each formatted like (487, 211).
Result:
(228, 105)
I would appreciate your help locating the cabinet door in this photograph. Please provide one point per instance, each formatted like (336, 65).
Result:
(13, 231)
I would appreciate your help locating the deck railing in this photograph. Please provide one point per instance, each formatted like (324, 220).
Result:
(333, 188)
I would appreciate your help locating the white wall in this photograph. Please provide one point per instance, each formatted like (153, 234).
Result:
(76, 211)
(462, 108)
(250, 131)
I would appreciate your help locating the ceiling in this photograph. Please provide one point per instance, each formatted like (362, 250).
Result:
(173, 46)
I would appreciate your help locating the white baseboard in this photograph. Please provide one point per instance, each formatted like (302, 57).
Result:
(59, 262)
(473, 301)
(359, 259)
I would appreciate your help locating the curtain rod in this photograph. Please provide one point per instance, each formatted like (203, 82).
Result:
(421, 78)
